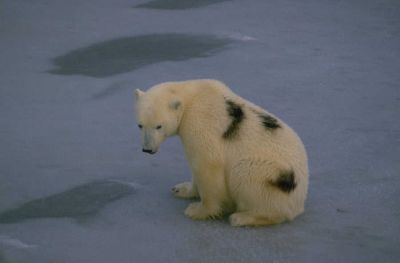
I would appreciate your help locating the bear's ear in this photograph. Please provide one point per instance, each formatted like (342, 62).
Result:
(138, 93)
(175, 104)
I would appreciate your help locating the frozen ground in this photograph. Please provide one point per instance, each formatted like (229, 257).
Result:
(75, 186)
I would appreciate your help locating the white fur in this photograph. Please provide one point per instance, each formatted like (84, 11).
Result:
(229, 175)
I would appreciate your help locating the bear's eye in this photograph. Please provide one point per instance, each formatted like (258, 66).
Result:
(140, 126)
(158, 127)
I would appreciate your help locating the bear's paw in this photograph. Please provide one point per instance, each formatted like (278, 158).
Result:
(198, 211)
(184, 190)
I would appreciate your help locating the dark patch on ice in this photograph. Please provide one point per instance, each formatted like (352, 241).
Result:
(178, 4)
(285, 182)
(236, 114)
(130, 53)
(340, 210)
(84, 200)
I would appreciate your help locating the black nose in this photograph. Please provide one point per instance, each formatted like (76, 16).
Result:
(148, 151)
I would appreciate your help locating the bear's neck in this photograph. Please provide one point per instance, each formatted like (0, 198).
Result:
(188, 95)
(196, 102)
(197, 97)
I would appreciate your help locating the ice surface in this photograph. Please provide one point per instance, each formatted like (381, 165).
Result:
(330, 69)
(8, 241)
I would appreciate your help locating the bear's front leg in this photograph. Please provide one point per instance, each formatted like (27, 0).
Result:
(185, 190)
(210, 184)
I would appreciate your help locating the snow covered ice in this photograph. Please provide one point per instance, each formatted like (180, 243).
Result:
(330, 69)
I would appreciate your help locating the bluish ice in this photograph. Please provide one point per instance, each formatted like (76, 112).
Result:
(75, 186)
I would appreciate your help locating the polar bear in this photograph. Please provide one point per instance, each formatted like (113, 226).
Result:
(245, 161)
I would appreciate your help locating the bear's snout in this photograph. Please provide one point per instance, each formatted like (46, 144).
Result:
(148, 151)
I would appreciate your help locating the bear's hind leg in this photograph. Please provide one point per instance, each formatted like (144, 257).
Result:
(251, 219)
(186, 190)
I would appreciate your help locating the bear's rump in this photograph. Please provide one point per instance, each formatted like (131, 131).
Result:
(252, 185)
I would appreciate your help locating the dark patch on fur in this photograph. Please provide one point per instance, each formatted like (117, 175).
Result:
(236, 113)
(285, 182)
(268, 121)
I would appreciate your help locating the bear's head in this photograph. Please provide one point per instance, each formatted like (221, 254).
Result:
(158, 114)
